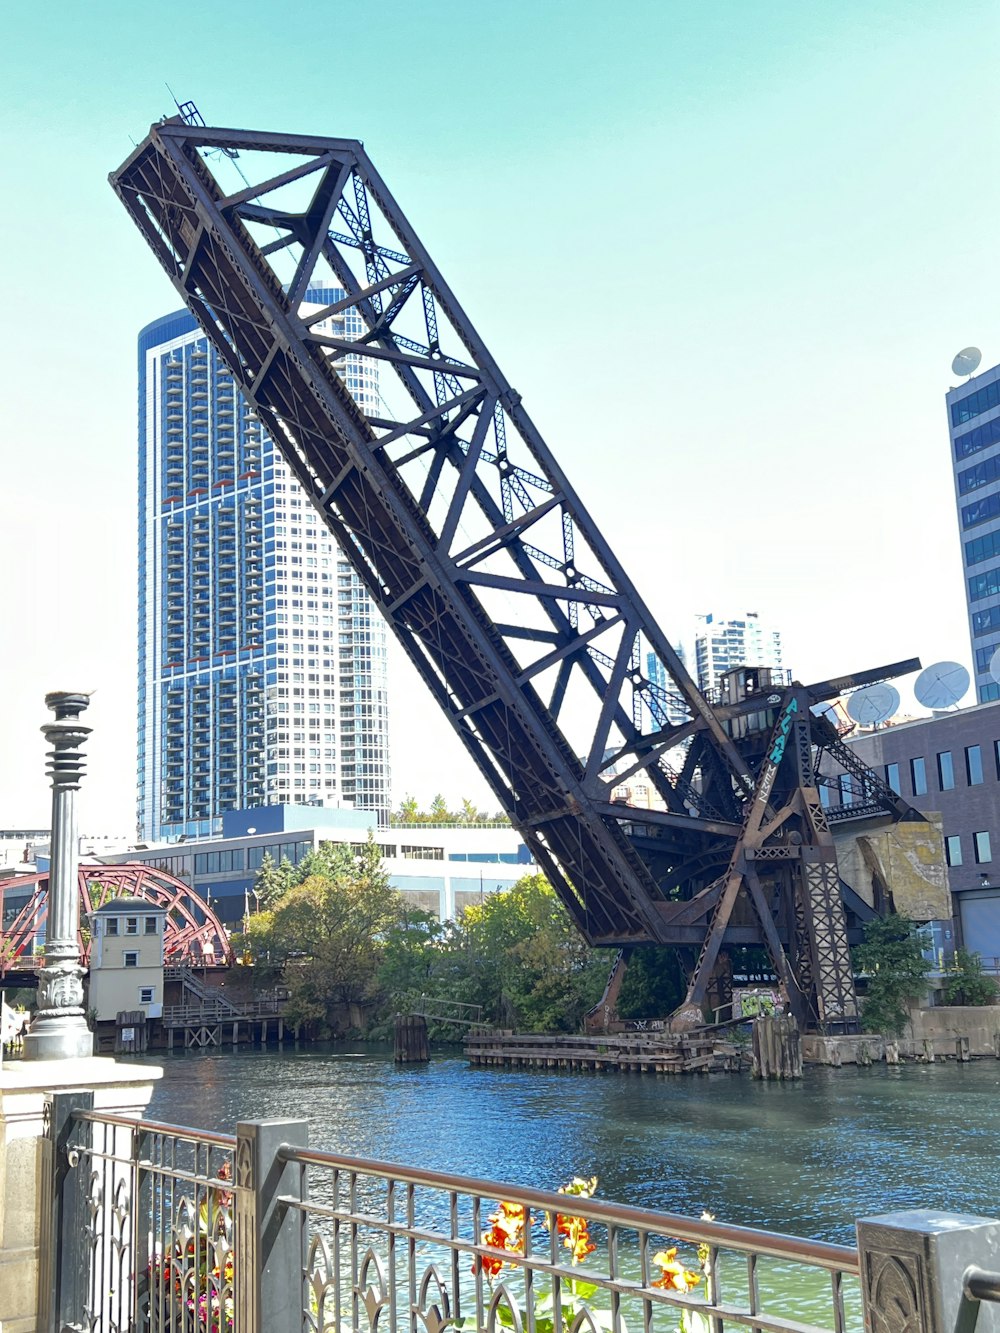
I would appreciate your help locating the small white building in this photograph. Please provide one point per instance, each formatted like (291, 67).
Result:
(126, 958)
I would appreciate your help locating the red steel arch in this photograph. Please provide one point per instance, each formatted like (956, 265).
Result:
(193, 934)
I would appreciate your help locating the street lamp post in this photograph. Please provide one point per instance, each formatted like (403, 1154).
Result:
(58, 1029)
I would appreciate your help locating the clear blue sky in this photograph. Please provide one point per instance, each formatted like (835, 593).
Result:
(725, 251)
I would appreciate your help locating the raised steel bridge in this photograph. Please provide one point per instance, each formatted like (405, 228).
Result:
(505, 595)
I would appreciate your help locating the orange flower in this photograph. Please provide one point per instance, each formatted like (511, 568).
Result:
(673, 1276)
(574, 1230)
(506, 1233)
(576, 1237)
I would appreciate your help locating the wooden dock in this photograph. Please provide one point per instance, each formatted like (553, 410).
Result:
(210, 1024)
(623, 1053)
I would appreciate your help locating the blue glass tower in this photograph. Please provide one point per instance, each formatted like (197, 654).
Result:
(262, 659)
(974, 428)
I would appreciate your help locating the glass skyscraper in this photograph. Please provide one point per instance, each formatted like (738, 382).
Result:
(974, 429)
(262, 658)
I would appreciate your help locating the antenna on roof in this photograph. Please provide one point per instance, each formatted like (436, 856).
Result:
(941, 685)
(873, 704)
(967, 361)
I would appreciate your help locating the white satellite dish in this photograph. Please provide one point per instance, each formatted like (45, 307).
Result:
(995, 666)
(967, 361)
(941, 685)
(873, 704)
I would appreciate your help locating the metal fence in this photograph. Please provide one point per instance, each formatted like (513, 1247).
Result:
(162, 1229)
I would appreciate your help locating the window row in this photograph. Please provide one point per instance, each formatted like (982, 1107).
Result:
(985, 621)
(986, 547)
(984, 585)
(979, 512)
(980, 846)
(975, 404)
(945, 771)
(983, 473)
(129, 925)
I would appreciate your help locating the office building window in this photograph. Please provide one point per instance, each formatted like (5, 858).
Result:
(953, 850)
(974, 764)
(131, 958)
(918, 776)
(892, 778)
(146, 994)
(974, 404)
(983, 852)
(946, 771)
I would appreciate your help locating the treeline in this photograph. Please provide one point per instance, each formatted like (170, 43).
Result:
(468, 812)
(353, 953)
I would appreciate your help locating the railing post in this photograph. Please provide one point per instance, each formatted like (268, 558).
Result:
(64, 1274)
(270, 1238)
(912, 1272)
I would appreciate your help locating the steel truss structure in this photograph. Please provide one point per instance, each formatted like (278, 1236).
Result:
(498, 584)
(191, 928)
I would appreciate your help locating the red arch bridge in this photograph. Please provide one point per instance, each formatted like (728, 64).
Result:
(193, 933)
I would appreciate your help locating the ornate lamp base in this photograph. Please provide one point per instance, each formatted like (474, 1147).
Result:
(59, 1027)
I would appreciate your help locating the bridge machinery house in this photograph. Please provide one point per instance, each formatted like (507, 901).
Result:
(126, 958)
(439, 869)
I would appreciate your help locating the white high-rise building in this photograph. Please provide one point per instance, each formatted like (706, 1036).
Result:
(746, 640)
(262, 658)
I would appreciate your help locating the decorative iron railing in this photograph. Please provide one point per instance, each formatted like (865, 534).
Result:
(162, 1229)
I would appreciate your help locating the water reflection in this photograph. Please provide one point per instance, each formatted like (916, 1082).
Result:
(806, 1159)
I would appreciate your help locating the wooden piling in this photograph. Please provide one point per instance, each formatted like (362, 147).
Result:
(411, 1039)
(130, 1032)
(777, 1051)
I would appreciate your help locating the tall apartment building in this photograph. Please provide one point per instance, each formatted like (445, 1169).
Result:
(721, 645)
(974, 429)
(262, 658)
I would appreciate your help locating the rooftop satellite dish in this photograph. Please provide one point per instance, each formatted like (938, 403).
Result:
(873, 704)
(941, 685)
(995, 666)
(967, 361)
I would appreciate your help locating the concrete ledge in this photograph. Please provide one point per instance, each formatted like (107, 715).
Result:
(836, 1051)
(25, 1085)
(93, 1071)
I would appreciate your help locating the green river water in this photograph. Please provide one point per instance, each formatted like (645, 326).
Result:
(805, 1158)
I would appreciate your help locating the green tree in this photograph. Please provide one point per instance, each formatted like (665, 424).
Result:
(328, 933)
(891, 957)
(273, 881)
(654, 984)
(531, 966)
(409, 811)
(439, 813)
(966, 983)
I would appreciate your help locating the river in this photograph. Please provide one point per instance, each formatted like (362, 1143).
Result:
(806, 1158)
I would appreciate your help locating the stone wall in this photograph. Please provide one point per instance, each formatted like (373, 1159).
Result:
(931, 1033)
